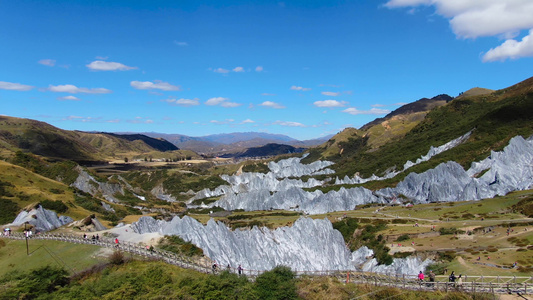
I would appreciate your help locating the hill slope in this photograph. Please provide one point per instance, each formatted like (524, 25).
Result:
(495, 118)
(46, 140)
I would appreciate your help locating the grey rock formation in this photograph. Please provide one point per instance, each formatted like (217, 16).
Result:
(292, 167)
(505, 171)
(275, 180)
(87, 183)
(42, 219)
(160, 193)
(308, 245)
(297, 199)
(499, 174)
(410, 265)
(432, 152)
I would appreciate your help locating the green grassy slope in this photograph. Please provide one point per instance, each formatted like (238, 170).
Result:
(495, 118)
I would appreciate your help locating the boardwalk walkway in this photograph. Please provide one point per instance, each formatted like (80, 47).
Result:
(490, 284)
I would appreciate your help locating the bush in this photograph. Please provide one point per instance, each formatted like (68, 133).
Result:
(451, 230)
(58, 206)
(278, 283)
(9, 210)
(175, 244)
(403, 237)
(117, 258)
(36, 283)
(447, 255)
(437, 268)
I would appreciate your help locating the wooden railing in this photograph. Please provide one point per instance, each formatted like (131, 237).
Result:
(490, 284)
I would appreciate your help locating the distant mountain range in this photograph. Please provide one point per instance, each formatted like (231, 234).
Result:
(349, 145)
(231, 144)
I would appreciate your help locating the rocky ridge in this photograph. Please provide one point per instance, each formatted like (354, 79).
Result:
(503, 172)
(297, 246)
(41, 219)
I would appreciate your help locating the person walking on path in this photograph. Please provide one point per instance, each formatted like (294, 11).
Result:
(239, 269)
(431, 278)
(420, 277)
(451, 279)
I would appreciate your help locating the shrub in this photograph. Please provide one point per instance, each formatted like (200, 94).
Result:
(279, 283)
(175, 244)
(117, 258)
(9, 210)
(451, 230)
(58, 206)
(37, 282)
(346, 227)
(403, 237)
(447, 255)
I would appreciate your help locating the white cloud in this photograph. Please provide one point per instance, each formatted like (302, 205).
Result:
(289, 124)
(69, 88)
(272, 105)
(330, 85)
(14, 86)
(140, 120)
(69, 98)
(181, 44)
(215, 100)
(47, 62)
(331, 94)
(238, 69)
(511, 49)
(259, 69)
(220, 70)
(227, 121)
(230, 104)
(247, 121)
(299, 88)
(100, 65)
(378, 105)
(268, 94)
(330, 103)
(183, 102)
(372, 111)
(82, 119)
(476, 18)
(221, 101)
(157, 84)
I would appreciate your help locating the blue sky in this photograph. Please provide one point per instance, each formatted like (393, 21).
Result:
(301, 68)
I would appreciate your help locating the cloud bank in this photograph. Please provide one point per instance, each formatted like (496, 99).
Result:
(470, 19)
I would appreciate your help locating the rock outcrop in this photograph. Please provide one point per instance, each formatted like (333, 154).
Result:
(499, 174)
(41, 219)
(308, 245)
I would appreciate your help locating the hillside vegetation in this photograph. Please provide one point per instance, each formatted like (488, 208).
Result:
(46, 140)
(495, 118)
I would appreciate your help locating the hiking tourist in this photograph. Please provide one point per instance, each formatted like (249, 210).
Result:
(421, 277)
(431, 278)
(452, 277)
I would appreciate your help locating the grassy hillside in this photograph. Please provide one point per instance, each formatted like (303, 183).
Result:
(495, 118)
(21, 188)
(156, 280)
(46, 140)
(43, 139)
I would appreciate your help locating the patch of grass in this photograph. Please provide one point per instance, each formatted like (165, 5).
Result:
(9, 211)
(177, 245)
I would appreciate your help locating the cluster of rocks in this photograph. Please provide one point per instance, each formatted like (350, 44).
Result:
(499, 174)
(307, 245)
